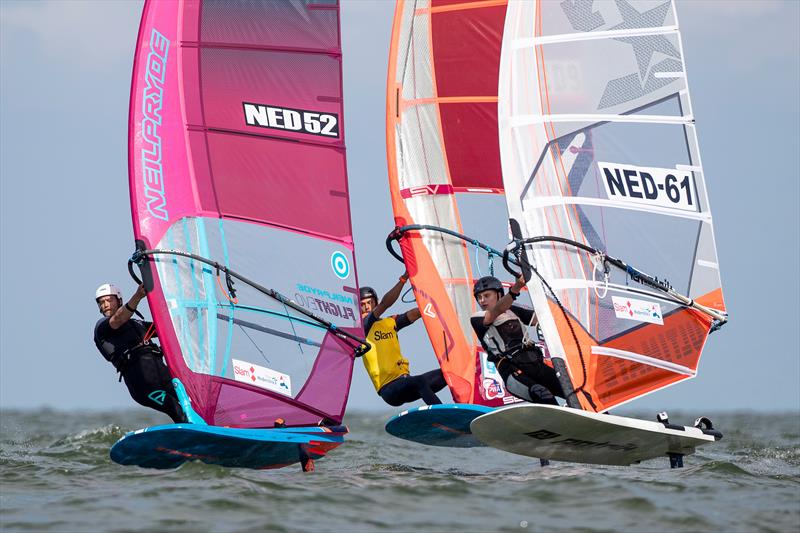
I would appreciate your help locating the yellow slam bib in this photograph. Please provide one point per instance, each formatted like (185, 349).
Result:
(384, 362)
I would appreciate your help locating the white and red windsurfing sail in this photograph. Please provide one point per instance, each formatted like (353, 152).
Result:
(598, 148)
(237, 155)
(444, 171)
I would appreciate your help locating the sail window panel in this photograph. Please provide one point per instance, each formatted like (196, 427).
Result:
(296, 265)
(471, 141)
(296, 84)
(466, 50)
(214, 331)
(188, 288)
(291, 184)
(447, 253)
(592, 163)
(661, 246)
(484, 217)
(606, 76)
(559, 18)
(460, 294)
(421, 159)
(414, 61)
(292, 23)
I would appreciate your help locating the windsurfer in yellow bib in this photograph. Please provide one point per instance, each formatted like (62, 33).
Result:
(386, 366)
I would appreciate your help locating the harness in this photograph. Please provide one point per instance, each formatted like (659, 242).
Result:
(505, 354)
(121, 361)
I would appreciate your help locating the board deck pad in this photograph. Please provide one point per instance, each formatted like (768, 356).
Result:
(171, 445)
(571, 435)
(438, 425)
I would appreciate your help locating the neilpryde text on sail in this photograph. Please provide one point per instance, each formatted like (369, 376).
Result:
(152, 101)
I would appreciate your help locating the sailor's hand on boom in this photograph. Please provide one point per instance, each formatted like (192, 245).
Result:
(125, 312)
(504, 303)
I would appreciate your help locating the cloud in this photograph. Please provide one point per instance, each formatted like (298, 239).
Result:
(87, 34)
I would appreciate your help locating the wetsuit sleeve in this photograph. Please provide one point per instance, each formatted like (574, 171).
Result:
(401, 321)
(523, 313)
(368, 322)
(103, 328)
(478, 326)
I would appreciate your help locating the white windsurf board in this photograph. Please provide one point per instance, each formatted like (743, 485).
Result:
(572, 435)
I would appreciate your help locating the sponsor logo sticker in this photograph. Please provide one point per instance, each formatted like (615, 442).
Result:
(639, 310)
(287, 119)
(492, 381)
(661, 187)
(340, 265)
(263, 377)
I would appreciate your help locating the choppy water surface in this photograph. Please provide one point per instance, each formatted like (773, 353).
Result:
(56, 475)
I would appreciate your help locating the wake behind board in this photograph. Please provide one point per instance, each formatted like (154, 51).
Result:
(572, 435)
(438, 425)
(171, 445)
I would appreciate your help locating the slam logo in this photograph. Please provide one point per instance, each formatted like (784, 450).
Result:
(284, 118)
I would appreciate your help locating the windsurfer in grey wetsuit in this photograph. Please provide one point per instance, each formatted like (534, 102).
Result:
(500, 326)
(125, 342)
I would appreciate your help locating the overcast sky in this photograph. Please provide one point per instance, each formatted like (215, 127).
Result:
(66, 226)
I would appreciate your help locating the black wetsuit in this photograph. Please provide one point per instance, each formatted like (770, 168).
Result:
(140, 364)
(521, 366)
(407, 388)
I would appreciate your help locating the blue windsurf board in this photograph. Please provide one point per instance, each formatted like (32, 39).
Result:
(438, 425)
(171, 445)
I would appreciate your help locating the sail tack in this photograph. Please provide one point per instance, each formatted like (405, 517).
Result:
(237, 155)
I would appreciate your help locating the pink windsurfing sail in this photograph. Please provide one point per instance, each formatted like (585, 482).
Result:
(237, 157)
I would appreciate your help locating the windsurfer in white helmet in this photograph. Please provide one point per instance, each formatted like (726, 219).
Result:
(386, 366)
(501, 326)
(126, 343)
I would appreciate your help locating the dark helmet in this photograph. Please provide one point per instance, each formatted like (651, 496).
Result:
(487, 283)
(368, 292)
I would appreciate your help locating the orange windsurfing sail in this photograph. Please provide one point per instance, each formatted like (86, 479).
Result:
(444, 170)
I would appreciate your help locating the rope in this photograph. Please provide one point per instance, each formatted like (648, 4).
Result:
(150, 332)
(233, 300)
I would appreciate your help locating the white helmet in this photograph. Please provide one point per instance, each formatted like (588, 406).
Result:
(108, 288)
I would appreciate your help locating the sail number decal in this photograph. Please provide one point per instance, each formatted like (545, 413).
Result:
(663, 187)
(284, 118)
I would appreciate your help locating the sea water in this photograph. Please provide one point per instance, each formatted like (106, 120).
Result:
(56, 475)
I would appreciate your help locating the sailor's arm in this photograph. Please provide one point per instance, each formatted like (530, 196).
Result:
(413, 315)
(125, 312)
(390, 297)
(504, 303)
